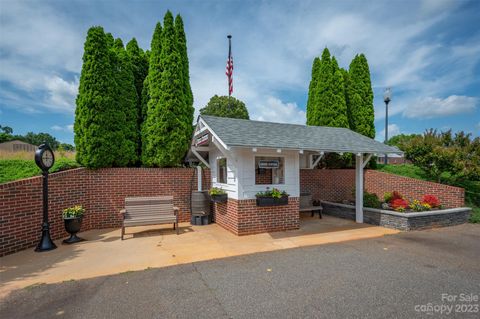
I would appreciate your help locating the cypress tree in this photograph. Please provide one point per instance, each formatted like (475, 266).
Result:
(164, 130)
(95, 113)
(155, 72)
(311, 104)
(187, 90)
(126, 108)
(330, 108)
(360, 97)
(139, 65)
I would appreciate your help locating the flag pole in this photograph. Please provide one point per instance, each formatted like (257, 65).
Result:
(229, 57)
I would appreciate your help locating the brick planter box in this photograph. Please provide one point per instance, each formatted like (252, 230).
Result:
(401, 221)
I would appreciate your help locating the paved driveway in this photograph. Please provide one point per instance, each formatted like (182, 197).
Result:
(385, 277)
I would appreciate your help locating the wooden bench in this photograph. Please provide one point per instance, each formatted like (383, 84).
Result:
(141, 211)
(306, 205)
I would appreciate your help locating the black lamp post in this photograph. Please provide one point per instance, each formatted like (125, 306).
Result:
(387, 97)
(44, 158)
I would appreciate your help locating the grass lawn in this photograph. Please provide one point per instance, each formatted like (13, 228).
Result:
(15, 166)
(472, 188)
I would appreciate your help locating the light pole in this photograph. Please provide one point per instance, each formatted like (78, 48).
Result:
(387, 97)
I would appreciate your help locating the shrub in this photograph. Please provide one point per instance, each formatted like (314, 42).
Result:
(387, 197)
(371, 200)
(399, 204)
(431, 200)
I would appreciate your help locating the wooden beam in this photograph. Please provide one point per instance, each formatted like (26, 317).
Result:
(200, 157)
(365, 161)
(312, 165)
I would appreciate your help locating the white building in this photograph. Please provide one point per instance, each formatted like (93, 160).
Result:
(245, 157)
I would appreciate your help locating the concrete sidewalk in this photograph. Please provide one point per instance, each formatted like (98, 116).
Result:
(158, 246)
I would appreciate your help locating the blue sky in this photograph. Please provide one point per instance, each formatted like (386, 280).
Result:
(427, 51)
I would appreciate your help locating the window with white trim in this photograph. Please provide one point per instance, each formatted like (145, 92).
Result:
(269, 170)
(222, 170)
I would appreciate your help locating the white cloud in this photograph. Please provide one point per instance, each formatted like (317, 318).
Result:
(274, 110)
(61, 94)
(64, 128)
(431, 107)
(37, 44)
(393, 129)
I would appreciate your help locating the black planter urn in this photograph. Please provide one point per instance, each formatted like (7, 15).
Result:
(264, 201)
(221, 198)
(72, 226)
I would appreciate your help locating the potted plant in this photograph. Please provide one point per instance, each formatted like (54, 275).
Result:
(72, 217)
(218, 195)
(273, 197)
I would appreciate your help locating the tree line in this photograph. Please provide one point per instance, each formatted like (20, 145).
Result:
(6, 134)
(134, 107)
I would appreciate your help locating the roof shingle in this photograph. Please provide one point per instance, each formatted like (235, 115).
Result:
(248, 133)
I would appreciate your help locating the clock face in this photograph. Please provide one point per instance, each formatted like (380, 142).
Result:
(47, 158)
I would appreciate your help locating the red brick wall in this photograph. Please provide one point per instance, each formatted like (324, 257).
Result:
(328, 184)
(380, 182)
(244, 217)
(101, 192)
(265, 178)
(338, 184)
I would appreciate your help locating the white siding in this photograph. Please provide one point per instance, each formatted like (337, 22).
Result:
(231, 187)
(246, 172)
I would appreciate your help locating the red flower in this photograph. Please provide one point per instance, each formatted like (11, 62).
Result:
(395, 195)
(399, 202)
(431, 200)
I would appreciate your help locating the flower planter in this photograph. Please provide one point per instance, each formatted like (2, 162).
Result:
(272, 201)
(222, 198)
(72, 226)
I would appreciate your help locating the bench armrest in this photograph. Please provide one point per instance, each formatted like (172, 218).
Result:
(122, 213)
(176, 210)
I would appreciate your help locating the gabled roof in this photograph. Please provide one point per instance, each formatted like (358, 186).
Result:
(248, 133)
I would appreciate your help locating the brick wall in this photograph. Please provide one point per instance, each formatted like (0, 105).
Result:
(244, 217)
(380, 182)
(101, 192)
(265, 178)
(338, 184)
(328, 184)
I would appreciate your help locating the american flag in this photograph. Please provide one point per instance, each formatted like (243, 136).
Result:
(229, 68)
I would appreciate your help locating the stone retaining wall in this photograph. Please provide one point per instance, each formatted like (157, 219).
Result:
(401, 221)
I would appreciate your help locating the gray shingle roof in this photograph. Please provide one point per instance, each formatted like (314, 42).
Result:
(248, 133)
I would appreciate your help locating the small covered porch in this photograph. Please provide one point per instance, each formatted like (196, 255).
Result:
(250, 160)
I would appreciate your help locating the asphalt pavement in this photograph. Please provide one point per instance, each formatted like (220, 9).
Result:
(422, 274)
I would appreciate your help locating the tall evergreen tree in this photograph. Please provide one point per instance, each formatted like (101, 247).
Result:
(95, 114)
(312, 92)
(329, 107)
(187, 90)
(360, 97)
(127, 108)
(164, 130)
(139, 64)
(155, 72)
